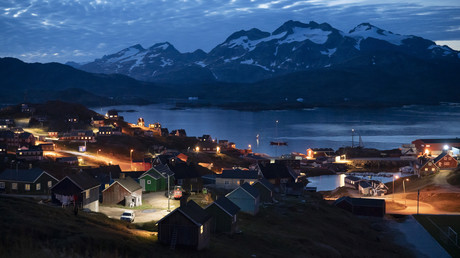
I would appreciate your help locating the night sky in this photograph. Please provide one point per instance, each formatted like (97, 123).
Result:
(82, 30)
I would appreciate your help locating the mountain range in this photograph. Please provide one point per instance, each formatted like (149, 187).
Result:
(250, 56)
(296, 66)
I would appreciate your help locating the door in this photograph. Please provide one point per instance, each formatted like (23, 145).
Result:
(142, 181)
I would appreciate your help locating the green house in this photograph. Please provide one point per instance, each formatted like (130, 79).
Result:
(156, 179)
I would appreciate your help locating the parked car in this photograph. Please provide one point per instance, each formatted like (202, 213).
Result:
(128, 216)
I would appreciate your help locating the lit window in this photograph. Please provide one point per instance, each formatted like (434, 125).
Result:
(50, 184)
(428, 145)
(87, 194)
(432, 169)
(106, 185)
(251, 182)
(27, 187)
(440, 163)
(14, 186)
(201, 229)
(426, 169)
(38, 186)
(2, 185)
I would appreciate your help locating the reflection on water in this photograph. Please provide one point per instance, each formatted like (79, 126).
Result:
(384, 128)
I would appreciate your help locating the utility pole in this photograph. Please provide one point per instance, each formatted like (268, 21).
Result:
(352, 137)
(169, 194)
(418, 199)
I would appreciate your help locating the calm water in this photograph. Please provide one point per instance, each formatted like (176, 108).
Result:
(384, 128)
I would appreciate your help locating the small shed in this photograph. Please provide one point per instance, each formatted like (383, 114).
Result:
(246, 197)
(265, 189)
(225, 215)
(362, 206)
(81, 188)
(189, 225)
(123, 191)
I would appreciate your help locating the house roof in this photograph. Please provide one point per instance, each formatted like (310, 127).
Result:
(159, 171)
(226, 205)
(275, 170)
(364, 184)
(265, 183)
(238, 173)
(103, 174)
(83, 181)
(192, 211)
(128, 183)
(353, 178)
(25, 135)
(440, 156)
(361, 201)
(253, 192)
(22, 175)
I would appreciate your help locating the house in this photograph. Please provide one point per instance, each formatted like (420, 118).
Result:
(97, 121)
(314, 153)
(112, 114)
(80, 188)
(78, 136)
(224, 215)
(16, 139)
(105, 131)
(105, 175)
(435, 146)
(207, 147)
(425, 167)
(232, 178)
(265, 189)
(156, 179)
(25, 108)
(68, 160)
(30, 153)
(33, 181)
(164, 132)
(53, 134)
(205, 138)
(364, 187)
(179, 133)
(277, 174)
(189, 226)
(124, 191)
(246, 197)
(140, 122)
(47, 146)
(72, 119)
(352, 181)
(188, 175)
(4, 125)
(361, 206)
(445, 161)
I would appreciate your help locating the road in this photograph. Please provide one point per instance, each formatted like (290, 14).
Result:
(89, 157)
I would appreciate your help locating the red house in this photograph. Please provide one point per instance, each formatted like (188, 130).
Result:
(435, 146)
(445, 161)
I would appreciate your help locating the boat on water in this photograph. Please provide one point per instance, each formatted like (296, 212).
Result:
(278, 143)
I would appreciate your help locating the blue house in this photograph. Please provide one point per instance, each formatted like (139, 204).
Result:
(246, 197)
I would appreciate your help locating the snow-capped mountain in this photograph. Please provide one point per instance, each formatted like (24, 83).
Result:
(253, 55)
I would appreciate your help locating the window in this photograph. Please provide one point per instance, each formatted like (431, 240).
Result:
(27, 187)
(50, 184)
(201, 229)
(428, 145)
(446, 163)
(14, 186)
(87, 194)
(432, 169)
(440, 163)
(251, 182)
(38, 186)
(106, 185)
(2, 185)
(149, 182)
(426, 169)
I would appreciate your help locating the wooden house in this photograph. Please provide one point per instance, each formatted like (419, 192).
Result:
(68, 160)
(81, 188)
(188, 175)
(352, 181)
(232, 178)
(189, 226)
(435, 146)
(246, 197)
(124, 191)
(320, 152)
(277, 174)
(26, 181)
(207, 147)
(225, 215)
(156, 179)
(105, 175)
(30, 153)
(179, 133)
(445, 161)
(78, 136)
(361, 206)
(364, 187)
(97, 121)
(265, 189)
(425, 167)
(112, 114)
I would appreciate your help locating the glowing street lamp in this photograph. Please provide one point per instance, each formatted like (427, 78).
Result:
(446, 147)
(97, 153)
(218, 149)
(197, 149)
(131, 157)
(404, 187)
(249, 146)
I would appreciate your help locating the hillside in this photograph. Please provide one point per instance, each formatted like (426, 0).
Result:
(32, 229)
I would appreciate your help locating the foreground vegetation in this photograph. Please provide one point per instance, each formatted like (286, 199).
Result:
(293, 227)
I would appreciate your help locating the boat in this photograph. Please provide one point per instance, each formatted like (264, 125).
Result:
(278, 143)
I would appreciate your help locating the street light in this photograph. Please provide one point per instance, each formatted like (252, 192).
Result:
(404, 187)
(131, 158)
(394, 191)
(97, 153)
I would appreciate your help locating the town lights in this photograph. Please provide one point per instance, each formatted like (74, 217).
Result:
(249, 146)
(446, 147)
(218, 150)
(197, 149)
(394, 177)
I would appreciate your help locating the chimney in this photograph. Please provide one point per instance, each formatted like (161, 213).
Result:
(183, 200)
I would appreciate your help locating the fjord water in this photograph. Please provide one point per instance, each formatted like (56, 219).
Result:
(381, 128)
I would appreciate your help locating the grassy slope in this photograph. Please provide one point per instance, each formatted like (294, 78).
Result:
(290, 228)
(442, 222)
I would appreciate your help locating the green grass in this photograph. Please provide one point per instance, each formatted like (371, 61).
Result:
(442, 221)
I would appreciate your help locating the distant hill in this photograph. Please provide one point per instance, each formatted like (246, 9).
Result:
(37, 82)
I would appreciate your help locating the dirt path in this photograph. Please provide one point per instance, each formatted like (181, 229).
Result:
(440, 180)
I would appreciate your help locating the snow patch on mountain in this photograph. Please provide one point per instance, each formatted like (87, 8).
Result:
(251, 44)
(201, 63)
(316, 36)
(251, 62)
(329, 52)
(167, 62)
(124, 55)
(163, 46)
(364, 31)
